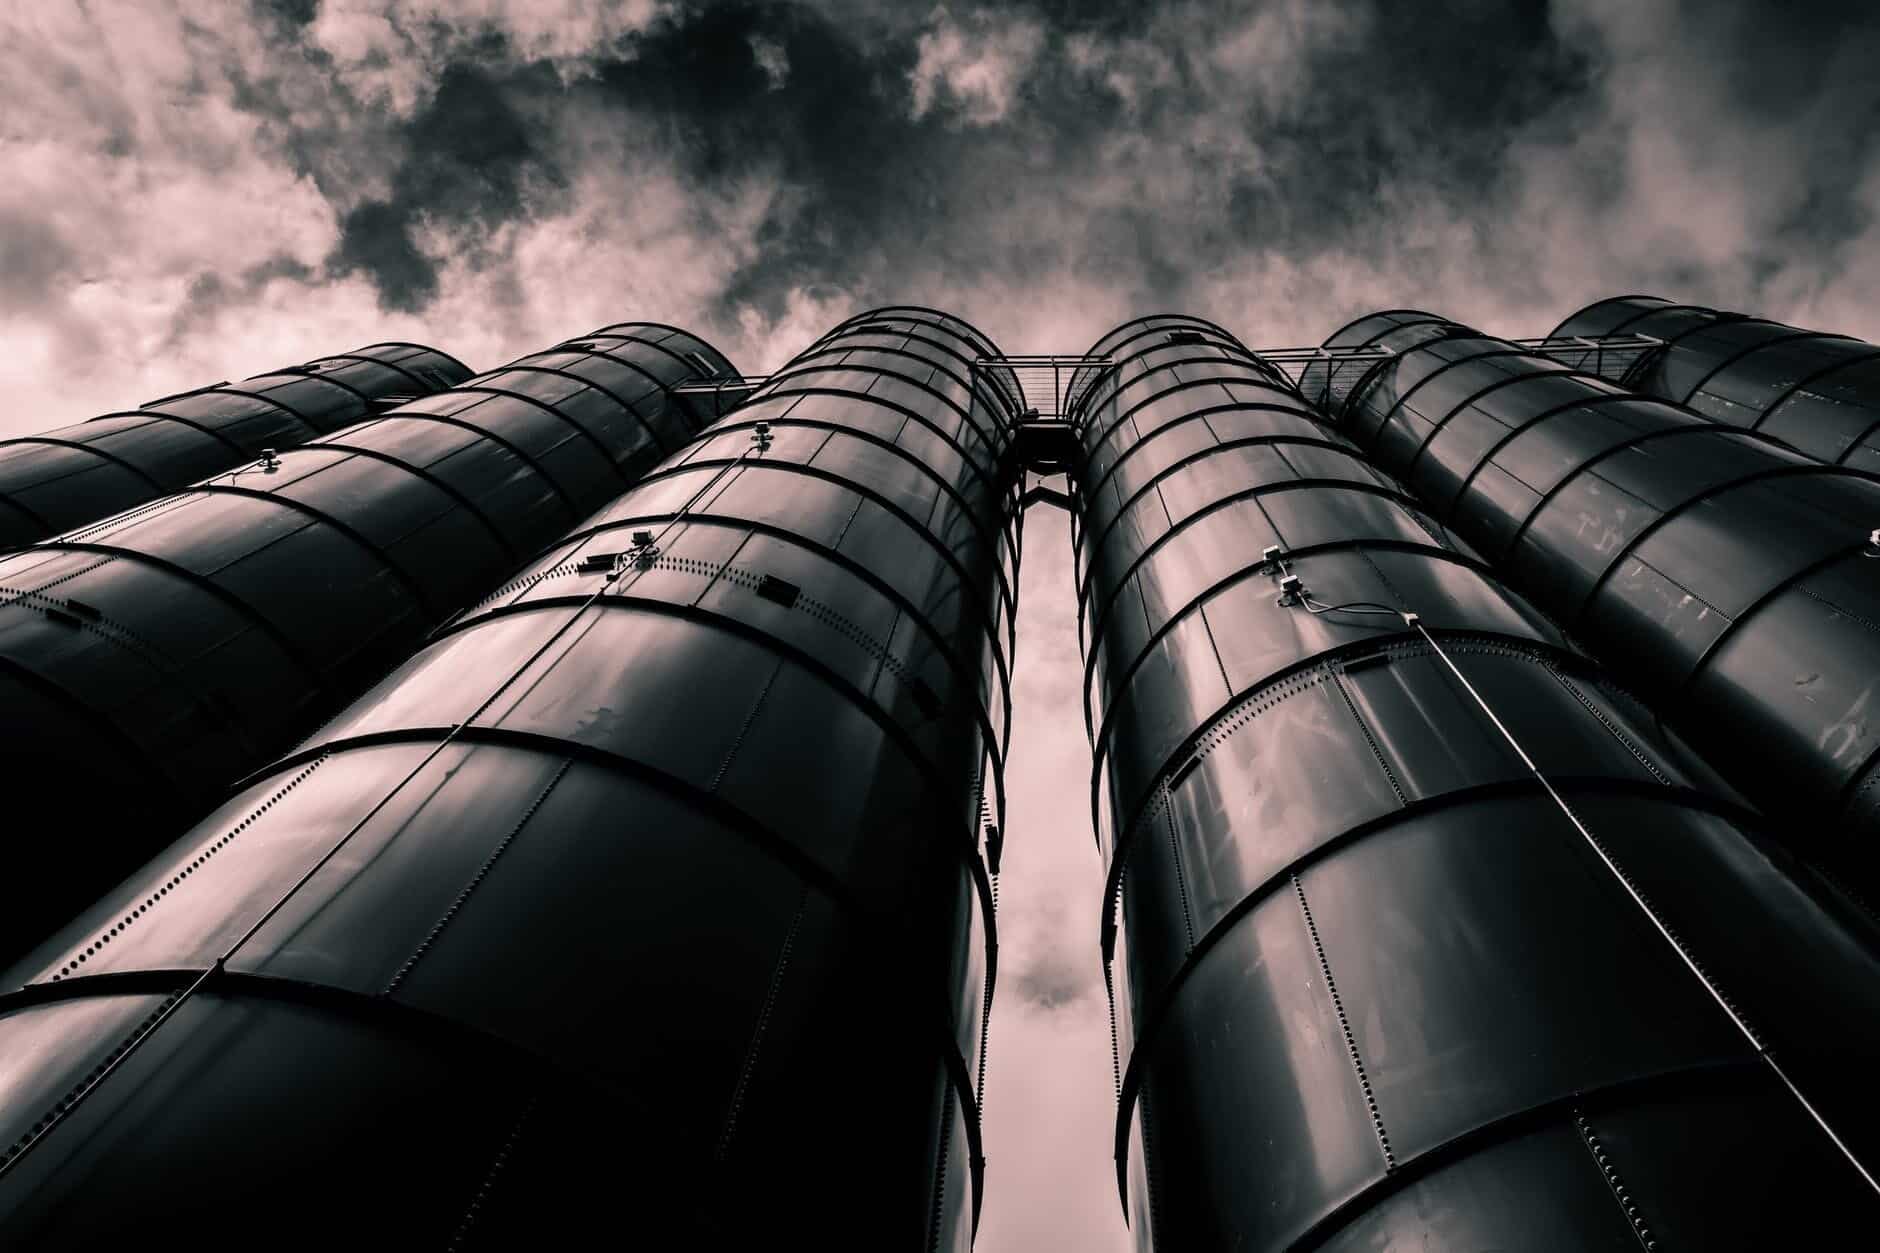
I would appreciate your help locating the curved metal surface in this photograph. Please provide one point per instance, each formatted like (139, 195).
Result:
(689, 813)
(960, 344)
(1817, 392)
(1726, 578)
(186, 642)
(66, 478)
(1326, 384)
(1376, 983)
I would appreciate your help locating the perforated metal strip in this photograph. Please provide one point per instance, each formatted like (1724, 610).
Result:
(937, 1214)
(476, 880)
(1344, 1027)
(468, 1223)
(176, 880)
(745, 1071)
(1610, 1174)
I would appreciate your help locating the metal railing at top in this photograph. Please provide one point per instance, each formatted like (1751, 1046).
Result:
(1050, 383)
(1611, 356)
(714, 397)
(710, 399)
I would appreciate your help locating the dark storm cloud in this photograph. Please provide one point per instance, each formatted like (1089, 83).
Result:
(211, 294)
(35, 261)
(1809, 70)
(471, 160)
(1399, 99)
(835, 128)
(1149, 150)
(1316, 136)
(724, 90)
(292, 12)
(1057, 978)
(759, 166)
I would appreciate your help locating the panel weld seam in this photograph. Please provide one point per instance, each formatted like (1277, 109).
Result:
(22, 593)
(745, 1072)
(938, 1211)
(1377, 752)
(737, 742)
(176, 880)
(1709, 983)
(1344, 1025)
(1181, 875)
(118, 519)
(1849, 614)
(1590, 1139)
(1600, 714)
(476, 880)
(60, 1107)
(497, 1165)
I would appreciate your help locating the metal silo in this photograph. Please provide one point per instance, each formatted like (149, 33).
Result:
(150, 660)
(645, 902)
(1420, 938)
(1725, 577)
(62, 479)
(1816, 392)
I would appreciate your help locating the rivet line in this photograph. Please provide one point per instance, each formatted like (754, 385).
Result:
(1344, 1025)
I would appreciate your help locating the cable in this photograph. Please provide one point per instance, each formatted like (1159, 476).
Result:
(1411, 620)
(1414, 622)
(1351, 606)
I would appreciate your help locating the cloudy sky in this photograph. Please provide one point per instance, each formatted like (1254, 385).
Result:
(199, 189)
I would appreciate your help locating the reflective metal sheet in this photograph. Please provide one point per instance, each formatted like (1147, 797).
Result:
(1815, 391)
(202, 632)
(80, 473)
(420, 1173)
(1657, 535)
(1348, 1016)
(691, 821)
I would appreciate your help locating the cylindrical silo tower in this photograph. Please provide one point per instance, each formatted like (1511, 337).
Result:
(1420, 938)
(647, 899)
(1816, 392)
(1726, 578)
(62, 479)
(150, 660)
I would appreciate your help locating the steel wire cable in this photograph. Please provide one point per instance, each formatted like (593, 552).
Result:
(1415, 622)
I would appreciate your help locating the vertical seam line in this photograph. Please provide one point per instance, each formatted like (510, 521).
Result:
(1344, 1026)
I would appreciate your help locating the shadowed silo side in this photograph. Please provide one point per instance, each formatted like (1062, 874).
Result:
(62, 479)
(647, 899)
(1816, 392)
(1724, 576)
(150, 660)
(1382, 979)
